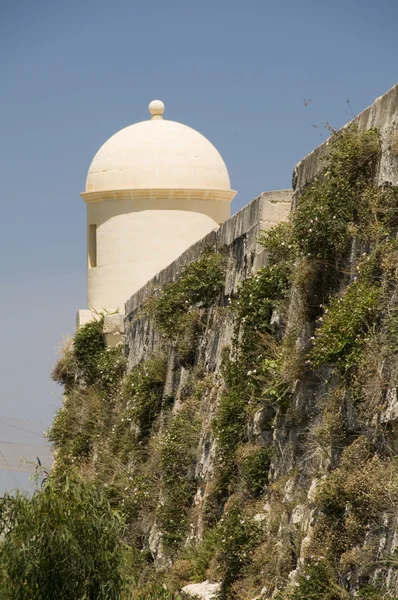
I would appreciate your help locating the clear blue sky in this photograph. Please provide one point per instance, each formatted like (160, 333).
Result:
(75, 72)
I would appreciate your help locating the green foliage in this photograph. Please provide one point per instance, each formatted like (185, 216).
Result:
(347, 320)
(260, 294)
(253, 463)
(318, 581)
(77, 424)
(201, 554)
(199, 284)
(88, 344)
(89, 361)
(110, 367)
(280, 244)
(178, 446)
(64, 543)
(144, 454)
(142, 396)
(191, 325)
(331, 204)
(229, 427)
(354, 495)
(239, 535)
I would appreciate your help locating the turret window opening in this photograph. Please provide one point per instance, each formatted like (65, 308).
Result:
(92, 246)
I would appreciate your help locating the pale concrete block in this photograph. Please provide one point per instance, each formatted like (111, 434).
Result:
(275, 207)
(84, 316)
(113, 330)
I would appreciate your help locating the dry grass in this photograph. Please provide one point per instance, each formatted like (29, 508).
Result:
(329, 430)
(371, 382)
(394, 143)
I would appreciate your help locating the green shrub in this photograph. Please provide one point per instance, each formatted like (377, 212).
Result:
(318, 581)
(331, 204)
(259, 295)
(229, 427)
(142, 394)
(191, 327)
(111, 368)
(64, 542)
(199, 284)
(253, 463)
(178, 447)
(347, 320)
(87, 360)
(88, 344)
(201, 554)
(280, 243)
(239, 535)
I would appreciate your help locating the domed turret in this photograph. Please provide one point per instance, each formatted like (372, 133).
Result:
(152, 190)
(158, 154)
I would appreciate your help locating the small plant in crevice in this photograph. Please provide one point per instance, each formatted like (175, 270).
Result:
(318, 581)
(280, 244)
(253, 467)
(260, 295)
(192, 325)
(329, 430)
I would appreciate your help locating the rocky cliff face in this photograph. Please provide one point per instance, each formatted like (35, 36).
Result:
(247, 428)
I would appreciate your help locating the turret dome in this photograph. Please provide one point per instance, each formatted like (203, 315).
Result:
(158, 154)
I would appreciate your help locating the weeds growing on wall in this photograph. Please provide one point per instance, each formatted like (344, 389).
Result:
(178, 447)
(331, 205)
(198, 285)
(348, 319)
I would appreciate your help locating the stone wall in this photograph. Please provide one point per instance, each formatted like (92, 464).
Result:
(239, 235)
(381, 115)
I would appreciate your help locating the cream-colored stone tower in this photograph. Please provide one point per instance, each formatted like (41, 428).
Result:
(152, 190)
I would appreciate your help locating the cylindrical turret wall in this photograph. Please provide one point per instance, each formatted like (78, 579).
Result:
(130, 239)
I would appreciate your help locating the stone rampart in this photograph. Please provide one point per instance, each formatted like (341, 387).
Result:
(261, 214)
(381, 115)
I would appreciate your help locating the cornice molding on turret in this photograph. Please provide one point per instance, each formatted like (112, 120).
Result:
(159, 194)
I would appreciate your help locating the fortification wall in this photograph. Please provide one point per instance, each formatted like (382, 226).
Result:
(279, 443)
(381, 115)
(238, 236)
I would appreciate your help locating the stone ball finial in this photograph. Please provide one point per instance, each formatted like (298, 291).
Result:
(156, 108)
